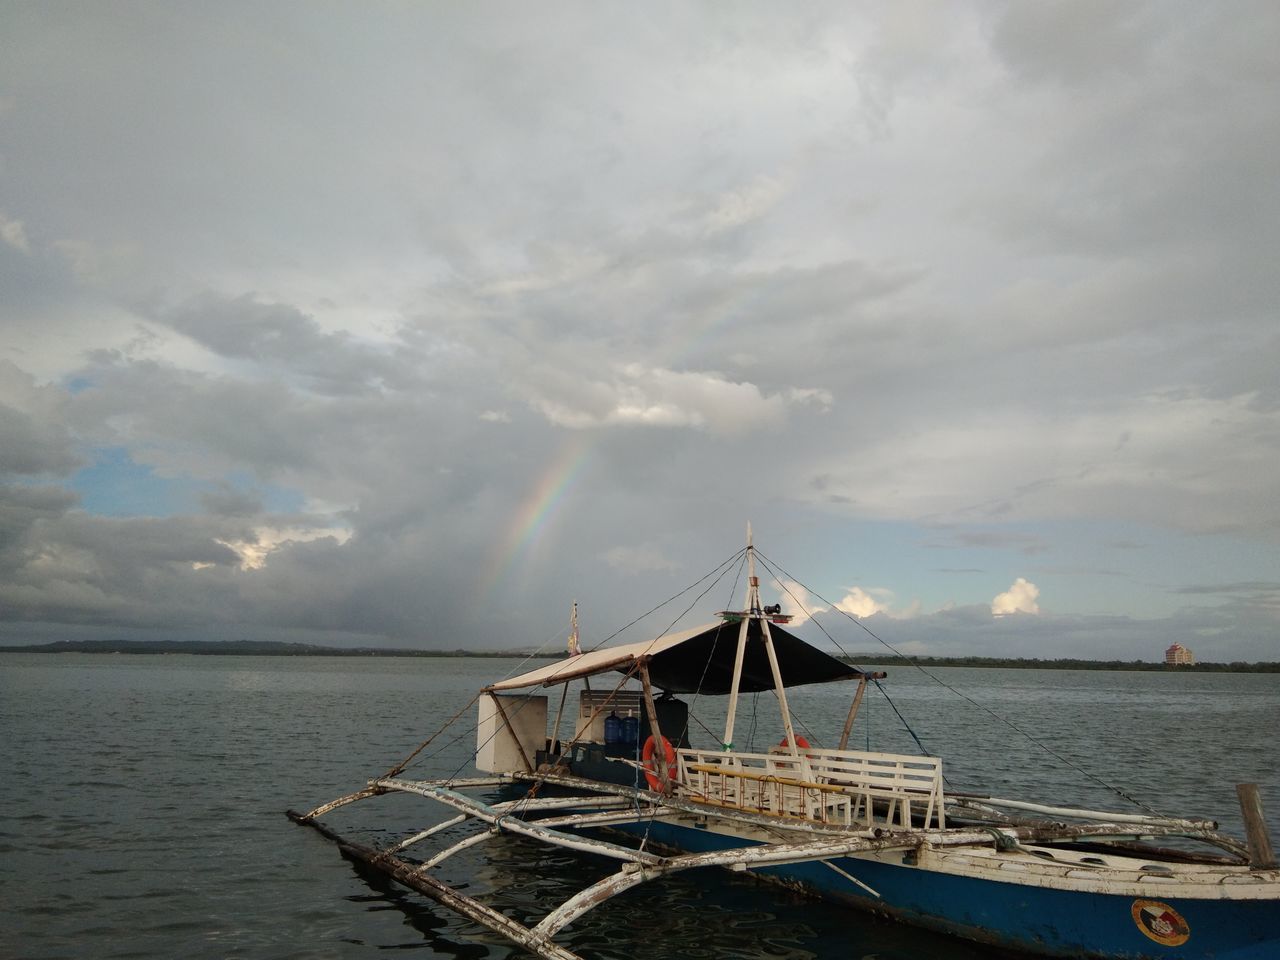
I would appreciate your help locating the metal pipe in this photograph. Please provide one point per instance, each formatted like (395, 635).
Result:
(585, 900)
(1108, 816)
(514, 824)
(458, 847)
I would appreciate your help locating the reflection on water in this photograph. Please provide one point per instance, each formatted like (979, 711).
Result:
(144, 799)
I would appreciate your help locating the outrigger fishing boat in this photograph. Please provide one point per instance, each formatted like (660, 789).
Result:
(875, 831)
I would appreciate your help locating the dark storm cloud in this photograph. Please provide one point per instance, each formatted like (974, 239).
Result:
(197, 422)
(22, 508)
(26, 448)
(33, 437)
(228, 502)
(66, 566)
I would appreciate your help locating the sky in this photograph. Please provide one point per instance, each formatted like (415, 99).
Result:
(408, 325)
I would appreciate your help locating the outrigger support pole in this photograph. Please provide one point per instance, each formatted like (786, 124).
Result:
(410, 875)
(639, 866)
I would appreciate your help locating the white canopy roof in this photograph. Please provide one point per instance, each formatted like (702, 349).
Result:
(597, 661)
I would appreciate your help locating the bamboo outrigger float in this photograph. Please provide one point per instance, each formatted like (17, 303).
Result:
(873, 830)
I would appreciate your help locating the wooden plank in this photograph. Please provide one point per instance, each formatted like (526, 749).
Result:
(762, 777)
(1261, 855)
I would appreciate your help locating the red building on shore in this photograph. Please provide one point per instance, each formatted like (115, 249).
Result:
(1178, 656)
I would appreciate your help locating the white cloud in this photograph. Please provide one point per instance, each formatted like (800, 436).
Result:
(638, 558)
(1019, 598)
(799, 603)
(741, 206)
(495, 416)
(865, 603)
(14, 233)
(255, 553)
(640, 395)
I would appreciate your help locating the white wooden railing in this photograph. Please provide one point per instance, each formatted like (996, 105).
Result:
(828, 786)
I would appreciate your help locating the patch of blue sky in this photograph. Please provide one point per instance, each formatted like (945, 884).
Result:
(114, 485)
(1109, 567)
(913, 562)
(1097, 568)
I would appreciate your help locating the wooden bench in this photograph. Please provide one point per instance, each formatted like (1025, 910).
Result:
(902, 785)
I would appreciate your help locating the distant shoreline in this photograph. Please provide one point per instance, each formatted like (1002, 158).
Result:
(273, 648)
(250, 648)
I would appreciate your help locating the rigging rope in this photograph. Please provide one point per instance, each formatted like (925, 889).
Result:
(720, 569)
(716, 570)
(968, 699)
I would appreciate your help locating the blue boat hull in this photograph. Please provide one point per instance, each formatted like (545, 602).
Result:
(1036, 919)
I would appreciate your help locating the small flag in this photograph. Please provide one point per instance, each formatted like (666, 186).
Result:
(575, 648)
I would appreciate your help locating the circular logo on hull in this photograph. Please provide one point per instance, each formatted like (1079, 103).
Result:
(1161, 922)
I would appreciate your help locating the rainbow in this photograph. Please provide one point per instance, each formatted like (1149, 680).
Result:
(533, 517)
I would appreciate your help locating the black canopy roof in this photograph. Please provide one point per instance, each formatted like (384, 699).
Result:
(704, 662)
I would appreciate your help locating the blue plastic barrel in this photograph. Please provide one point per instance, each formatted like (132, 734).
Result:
(612, 729)
(630, 730)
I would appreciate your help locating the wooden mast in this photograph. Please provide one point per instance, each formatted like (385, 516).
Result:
(727, 742)
(755, 612)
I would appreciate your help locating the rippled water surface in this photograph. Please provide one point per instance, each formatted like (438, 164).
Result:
(144, 798)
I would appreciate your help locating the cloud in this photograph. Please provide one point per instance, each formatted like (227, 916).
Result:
(995, 281)
(1179, 459)
(1019, 598)
(281, 337)
(638, 559)
(861, 603)
(34, 438)
(254, 553)
(799, 603)
(641, 396)
(741, 206)
(229, 502)
(14, 233)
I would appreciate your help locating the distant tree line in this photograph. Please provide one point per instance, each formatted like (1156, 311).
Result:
(249, 648)
(1063, 663)
(279, 648)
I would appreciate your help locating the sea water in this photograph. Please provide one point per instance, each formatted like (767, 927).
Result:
(142, 801)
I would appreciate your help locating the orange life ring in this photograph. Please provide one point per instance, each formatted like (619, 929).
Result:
(801, 743)
(650, 765)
